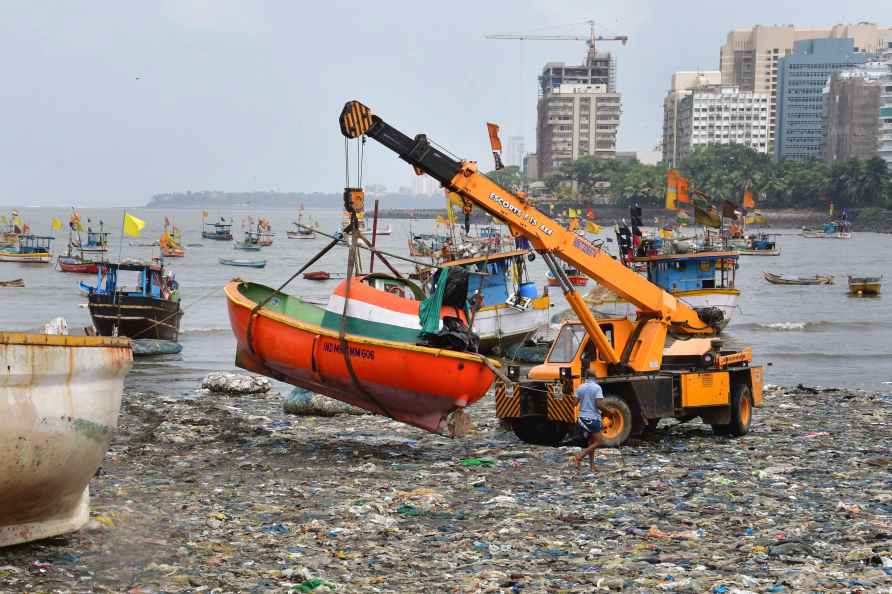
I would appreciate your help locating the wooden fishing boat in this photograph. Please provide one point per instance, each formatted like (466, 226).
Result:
(220, 231)
(512, 308)
(59, 403)
(865, 285)
(317, 275)
(77, 265)
(148, 308)
(244, 263)
(250, 242)
(818, 279)
(298, 342)
(31, 249)
(830, 230)
(16, 283)
(705, 280)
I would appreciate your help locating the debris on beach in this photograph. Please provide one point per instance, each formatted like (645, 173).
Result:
(235, 383)
(303, 402)
(228, 494)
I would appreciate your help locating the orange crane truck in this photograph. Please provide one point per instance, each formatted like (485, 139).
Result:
(664, 364)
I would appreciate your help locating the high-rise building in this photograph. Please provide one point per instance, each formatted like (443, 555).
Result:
(749, 58)
(799, 129)
(578, 111)
(717, 114)
(682, 83)
(858, 111)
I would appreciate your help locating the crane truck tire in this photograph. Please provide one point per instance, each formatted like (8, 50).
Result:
(616, 416)
(741, 413)
(540, 430)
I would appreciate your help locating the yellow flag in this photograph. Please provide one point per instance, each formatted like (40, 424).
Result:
(56, 224)
(3, 220)
(132, 225)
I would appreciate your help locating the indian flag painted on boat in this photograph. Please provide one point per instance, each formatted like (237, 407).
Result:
(378, 314)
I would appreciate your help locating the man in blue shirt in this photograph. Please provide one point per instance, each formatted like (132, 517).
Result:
(588, 395)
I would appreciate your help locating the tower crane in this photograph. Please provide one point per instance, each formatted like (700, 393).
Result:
(590, 39)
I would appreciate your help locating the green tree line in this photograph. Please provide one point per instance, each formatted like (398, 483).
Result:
(725, 172)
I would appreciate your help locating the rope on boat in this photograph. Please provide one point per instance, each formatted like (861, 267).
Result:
(342, 333)
(259, 306)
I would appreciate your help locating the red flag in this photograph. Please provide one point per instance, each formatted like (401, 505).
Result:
(748, 201)
(590, 214)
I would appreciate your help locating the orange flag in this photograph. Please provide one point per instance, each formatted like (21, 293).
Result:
(682, 187)
(748, 201)
(494, 141)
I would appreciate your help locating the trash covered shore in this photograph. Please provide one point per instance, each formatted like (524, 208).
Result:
(208, 492)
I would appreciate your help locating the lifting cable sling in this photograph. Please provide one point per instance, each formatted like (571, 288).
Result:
(255, 311)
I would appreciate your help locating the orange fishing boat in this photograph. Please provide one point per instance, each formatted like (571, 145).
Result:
(298, 342)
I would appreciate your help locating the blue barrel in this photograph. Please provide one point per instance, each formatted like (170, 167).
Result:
(528, 290)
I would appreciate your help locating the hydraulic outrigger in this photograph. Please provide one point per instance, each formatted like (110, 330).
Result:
(646, 373)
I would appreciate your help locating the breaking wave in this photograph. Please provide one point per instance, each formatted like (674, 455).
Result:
(206, 331)
(806, 326)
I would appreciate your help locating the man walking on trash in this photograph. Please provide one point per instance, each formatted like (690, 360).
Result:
(589, 395)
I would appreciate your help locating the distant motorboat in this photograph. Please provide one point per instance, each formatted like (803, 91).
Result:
(818, 279)
(244, 263)
(862, 286)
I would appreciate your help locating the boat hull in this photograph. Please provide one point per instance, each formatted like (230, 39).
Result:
(502, 326)
(38, 258)
(723, 299)
(417, 385)
(823, 235)
(243, 263)
(135, 316)
(59, 400)
(77, 266)
(775, 252)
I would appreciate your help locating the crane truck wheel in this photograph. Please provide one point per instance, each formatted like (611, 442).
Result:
(616, 416)
(540, 430)
(741, 413)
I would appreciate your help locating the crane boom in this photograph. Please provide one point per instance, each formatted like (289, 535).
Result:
(545, 234)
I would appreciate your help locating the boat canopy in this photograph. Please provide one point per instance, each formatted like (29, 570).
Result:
(691, 272)
(33, 244)
(152, 280)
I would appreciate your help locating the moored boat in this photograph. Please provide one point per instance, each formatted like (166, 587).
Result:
(170, 242)
(244, 263)
(511, 308)
(830, 230)
(818, 279)
(59, 403)
(77, 265)
(298, 342)
(317, 275)
(703, 280)
(250, 242)
(30, 249)
(16, 283)
(143, 302)
(865, 285)
(218, 231)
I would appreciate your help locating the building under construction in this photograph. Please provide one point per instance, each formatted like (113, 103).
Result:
(578, 111)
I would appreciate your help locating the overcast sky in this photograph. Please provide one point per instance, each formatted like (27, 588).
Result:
(106, 103)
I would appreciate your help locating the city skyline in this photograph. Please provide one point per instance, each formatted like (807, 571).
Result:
(109, 104)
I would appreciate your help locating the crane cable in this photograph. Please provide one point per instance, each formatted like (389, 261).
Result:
(353, 228)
